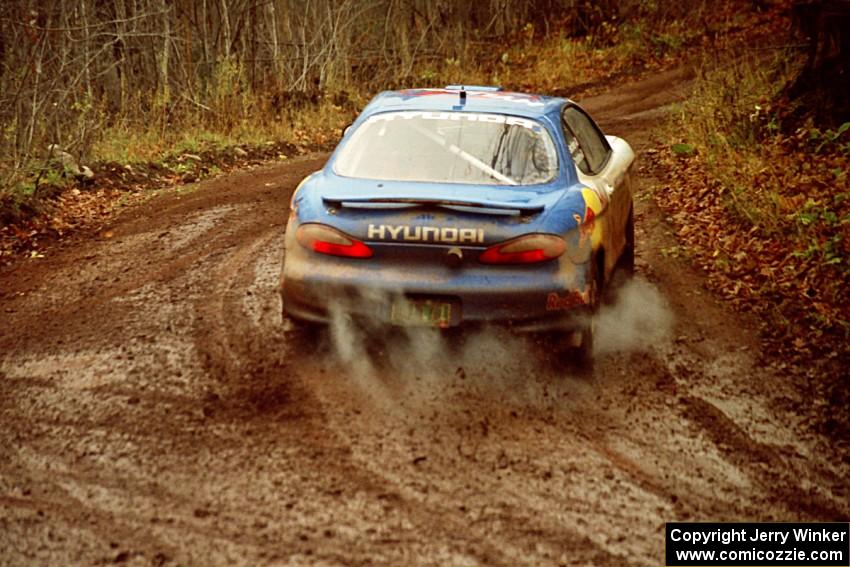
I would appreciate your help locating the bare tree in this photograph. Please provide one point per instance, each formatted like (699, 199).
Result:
(69, 67)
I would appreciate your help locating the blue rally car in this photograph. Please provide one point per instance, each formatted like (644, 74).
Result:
(463, 205)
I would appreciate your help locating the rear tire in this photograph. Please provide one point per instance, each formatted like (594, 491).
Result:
(297, 329)
(584, 353)
(625, 268)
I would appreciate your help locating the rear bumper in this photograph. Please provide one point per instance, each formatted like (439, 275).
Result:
(527, 298)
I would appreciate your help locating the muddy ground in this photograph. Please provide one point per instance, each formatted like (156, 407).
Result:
(154, 411)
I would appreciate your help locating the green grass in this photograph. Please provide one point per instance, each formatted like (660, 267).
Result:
(771, 201)
(724, 122)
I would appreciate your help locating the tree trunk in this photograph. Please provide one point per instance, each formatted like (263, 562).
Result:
(165, 55)
(225, 24)
(272, 23)
(822, 89)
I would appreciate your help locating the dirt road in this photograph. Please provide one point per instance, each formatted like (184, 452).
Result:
(153, 410)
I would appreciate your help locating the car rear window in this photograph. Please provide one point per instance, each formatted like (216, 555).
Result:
(450, 147)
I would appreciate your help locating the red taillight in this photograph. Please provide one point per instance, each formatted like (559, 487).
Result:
(530, 249)
(326, 240)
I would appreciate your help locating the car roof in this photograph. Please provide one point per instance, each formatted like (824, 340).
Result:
(477, 99)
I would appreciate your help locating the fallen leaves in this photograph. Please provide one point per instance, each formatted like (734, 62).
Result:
(778, 244)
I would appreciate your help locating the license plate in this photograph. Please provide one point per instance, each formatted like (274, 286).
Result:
(423, 313)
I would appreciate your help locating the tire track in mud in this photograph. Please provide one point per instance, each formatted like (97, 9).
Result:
(247, 366)
(765, 463)
(440, 455)
(228, 343)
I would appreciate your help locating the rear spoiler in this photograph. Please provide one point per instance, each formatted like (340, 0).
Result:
(437, 202)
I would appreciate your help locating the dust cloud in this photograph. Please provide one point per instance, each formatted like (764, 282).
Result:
(637, 319)
(366, 347)
(380, 359)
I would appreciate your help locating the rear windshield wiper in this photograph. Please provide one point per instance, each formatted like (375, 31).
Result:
(436, 202)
